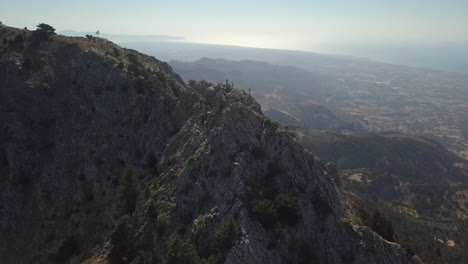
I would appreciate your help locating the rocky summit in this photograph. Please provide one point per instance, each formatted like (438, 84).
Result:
(107, 156)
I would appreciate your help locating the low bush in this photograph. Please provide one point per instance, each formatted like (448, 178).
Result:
(64, 250)
(228, 234)
(18, 38)
(152, 210)
(143, 257)
(270, 207)
(27, 63)
(287, 208)
(163, 220)
(264, 211)
(151, 159)
(200, 224)
(127, 193)
(321, 206)
(181, 251)
(143, 86)
(258, 153)
(120, 241)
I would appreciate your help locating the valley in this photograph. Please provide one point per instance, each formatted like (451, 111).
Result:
(386, 98)
(411, 180)
(397, 136)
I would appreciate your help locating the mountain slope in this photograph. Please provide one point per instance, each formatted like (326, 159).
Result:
(288, 94)
(219, 181)
(415, 182)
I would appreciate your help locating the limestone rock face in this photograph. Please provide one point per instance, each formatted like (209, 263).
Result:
(83, 110)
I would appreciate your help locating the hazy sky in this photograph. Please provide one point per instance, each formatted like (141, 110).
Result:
(293, 24)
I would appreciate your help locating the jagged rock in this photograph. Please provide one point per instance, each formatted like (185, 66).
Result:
(332, 171)
(88, 108)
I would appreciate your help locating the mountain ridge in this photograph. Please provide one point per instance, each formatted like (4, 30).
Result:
(79, 111)
(413, 181)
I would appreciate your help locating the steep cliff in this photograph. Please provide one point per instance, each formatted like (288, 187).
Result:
(216, 175)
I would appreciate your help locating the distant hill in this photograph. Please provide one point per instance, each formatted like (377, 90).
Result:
(415, 182)
(412, 157)
(288, 94)
(311, 61)
(346, 94)
(442, 56)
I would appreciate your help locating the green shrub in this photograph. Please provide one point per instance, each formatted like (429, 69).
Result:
(204, 84)
(164, 220)
(321, 206)
(143, 257)
(151, 159)
(173, 159)
(175, 89)
(116, 52)
(382, 226)
(351, 221)
(46, 28)
(132, 58)
(121, 65)
(143, 86)
(200, 224)
(120, 240)
(258, 153)
(209, 260)
(133, 68)
(127, 193)
(27, 63)
(152, 210)
(347, 222)
(270, 122)
(63, 250)
(248, 196)
(181, 251)
(273, 170)
(192, 83)
(228, 234)
(42, 33)
(161, 77)
(265, 212)
(268, 207)
(18, 38)
(287, 208)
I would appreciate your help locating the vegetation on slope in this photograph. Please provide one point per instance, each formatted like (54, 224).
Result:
(412, 184)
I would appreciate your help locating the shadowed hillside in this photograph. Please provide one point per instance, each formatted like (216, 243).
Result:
(107, 156)
(415, 182)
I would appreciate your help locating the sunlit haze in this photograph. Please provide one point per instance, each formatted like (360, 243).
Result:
(304, 25)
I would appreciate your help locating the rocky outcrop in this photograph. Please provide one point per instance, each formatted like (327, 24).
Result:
(82, 110)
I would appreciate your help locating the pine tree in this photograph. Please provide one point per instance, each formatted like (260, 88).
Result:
(152, 210)
(42, 33)
(382, 226)
(48, 29)
(181, 251)
(120, 240)
(227, 235)
(127, 194)
(143, 257)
